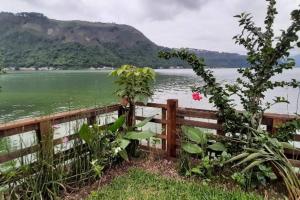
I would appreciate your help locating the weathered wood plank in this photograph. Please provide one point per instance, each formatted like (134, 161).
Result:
(21, 126)
(199, 124)
(45, 135)
(155, 120)
(197, 113)
(153, 105)
(164, 128)
(295, 163)
(172, 105)
(18, 153)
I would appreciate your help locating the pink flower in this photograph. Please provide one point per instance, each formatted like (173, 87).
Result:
(197, 96)
(65, 139)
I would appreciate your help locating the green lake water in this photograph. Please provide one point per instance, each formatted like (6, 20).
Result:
(30, 94)
(27, 94)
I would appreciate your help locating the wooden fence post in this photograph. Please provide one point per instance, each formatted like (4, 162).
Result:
(45, 138)
(121, 111)
(92, 119)
(164, 126)
(172, 105)
(275, 123)
(220, 131)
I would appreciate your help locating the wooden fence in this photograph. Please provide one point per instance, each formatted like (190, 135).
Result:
(171, 118)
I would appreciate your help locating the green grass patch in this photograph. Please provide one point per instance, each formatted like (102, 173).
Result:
(138, 184)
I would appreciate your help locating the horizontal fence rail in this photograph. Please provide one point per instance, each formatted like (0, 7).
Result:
(43, 129)
(171, 117)
(207, 119)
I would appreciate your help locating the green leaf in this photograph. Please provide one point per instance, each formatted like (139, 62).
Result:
(191, 148)
(253, 164)
(85, 134)
(124, 154)
(134, 135)
(195, 134)
(250, 157)
(272, 175)
(196, 170)
(287, 145)
(123, 143)
(238, 157)
(144, 122)
(117, 124)
(218, 146)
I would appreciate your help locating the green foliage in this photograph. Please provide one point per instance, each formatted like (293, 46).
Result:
(144, 122)
(191, 148)
(286, 131)
(197, 143)
(267, 55)
(195, 135)
(239, 178)
(138, 184)
(134, 83)
(139, 135)
(107, 143)
(264, 159)
(34, 41)
(117, 124)
(218, 146)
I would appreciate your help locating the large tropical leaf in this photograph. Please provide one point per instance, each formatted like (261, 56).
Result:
(191, 148)
(218, 146)
(196, 170)
(238, 157)
(123, 143)
(250, 157)
(144, 122)
(124, 154)
(195, 134)
(134, 135)
(117, 124)
(253, 164)
(86, 134)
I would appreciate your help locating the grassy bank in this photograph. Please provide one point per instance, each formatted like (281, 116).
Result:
(138, 184)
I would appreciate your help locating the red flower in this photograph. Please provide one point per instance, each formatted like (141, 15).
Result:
(197, 96)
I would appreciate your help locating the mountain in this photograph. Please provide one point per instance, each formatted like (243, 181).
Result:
(33, 40)
(221, 59)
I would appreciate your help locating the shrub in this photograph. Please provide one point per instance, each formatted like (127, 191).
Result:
(267, 55)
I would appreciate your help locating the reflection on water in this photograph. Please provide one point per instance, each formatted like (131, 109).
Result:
(28, 94)
(176, 84)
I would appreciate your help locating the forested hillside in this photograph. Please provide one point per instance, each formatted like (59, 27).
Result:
(33, 40)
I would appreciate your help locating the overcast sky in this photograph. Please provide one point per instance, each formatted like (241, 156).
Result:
(201, 24)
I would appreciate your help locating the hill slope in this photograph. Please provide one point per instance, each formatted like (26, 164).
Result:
(31, 39)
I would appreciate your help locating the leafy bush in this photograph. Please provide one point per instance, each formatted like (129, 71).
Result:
(105, 143)
(201, 145)
(134, 83)
(268, 55)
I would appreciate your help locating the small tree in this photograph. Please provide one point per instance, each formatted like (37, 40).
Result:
(268, 56)
(135, 84)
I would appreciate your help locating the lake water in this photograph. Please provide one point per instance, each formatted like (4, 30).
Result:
(27, 94)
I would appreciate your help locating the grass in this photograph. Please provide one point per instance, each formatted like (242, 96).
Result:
(138, 184)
